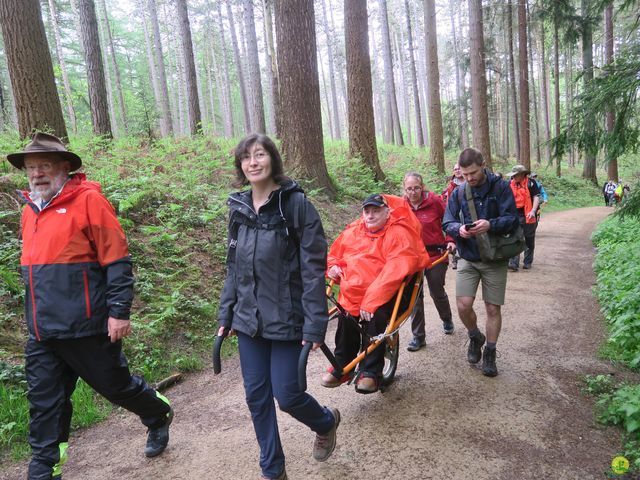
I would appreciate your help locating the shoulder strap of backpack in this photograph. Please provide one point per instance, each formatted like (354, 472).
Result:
(293, 216)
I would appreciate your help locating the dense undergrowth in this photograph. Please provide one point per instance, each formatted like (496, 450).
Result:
(617, 267)
(171, 200)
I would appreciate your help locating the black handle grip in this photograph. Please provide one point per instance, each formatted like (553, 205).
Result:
(302, 365)
(217, 345)
(304, 358)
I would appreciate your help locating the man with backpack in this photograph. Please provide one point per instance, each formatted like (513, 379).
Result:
(527, 196)
(493, 206)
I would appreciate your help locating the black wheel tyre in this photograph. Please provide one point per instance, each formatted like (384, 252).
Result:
(391, 353)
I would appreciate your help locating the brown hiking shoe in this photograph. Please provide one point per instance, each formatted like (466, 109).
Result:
(324, 445)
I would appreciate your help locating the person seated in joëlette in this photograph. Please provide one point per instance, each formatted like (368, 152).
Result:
(369, 260)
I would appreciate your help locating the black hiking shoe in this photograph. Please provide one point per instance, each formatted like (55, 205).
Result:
(448, 327)
(474, 353)
(416, 344)
(489, 368)
(158, 437)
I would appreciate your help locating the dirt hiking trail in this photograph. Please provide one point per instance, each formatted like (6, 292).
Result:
(441, 419)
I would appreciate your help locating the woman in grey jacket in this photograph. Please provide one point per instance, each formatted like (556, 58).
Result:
(273, 297)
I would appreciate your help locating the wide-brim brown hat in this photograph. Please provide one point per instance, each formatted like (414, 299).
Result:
(518, 169)
(45, 143)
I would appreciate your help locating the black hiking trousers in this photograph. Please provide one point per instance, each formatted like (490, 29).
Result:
(52, 369)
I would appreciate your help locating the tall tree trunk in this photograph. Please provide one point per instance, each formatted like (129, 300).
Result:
(271, 110)
(388, 72)
(95, 69)
(612, 162)
(544, 88)
(332, 75)
(436, 136)
(63, 66)
(536, 123)
(414, 78)
(239, 69)
(589, 170)
(195, 120)
(30, 68)
(506, 99)
(256, 111)
(229, 130)
(480, 114)
(153, 72)
(383, 119)
(106, 65)
(512, 81)
(114, 64)
(302, 144)
(273, 66)
(362, 133)
(462, 115)
(341, 71)
(398, 42)
(326, 97)
(556, 87)
(568, 69)
(422, 75)
(523, 76)
(166, 124)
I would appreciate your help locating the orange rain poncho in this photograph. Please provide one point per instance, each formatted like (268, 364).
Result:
(374, 264)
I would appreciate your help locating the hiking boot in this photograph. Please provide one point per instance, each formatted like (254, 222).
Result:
(158, 437)
(474, 353)
(329, 380)
(489, 368)
(367, 383)
(448, 327)
(416, 344)
(282, 476)
(324, 445)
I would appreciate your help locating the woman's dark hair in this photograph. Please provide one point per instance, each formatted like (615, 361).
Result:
(242, 149)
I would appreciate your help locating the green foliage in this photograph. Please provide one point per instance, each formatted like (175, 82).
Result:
(622, 408)
(617, 268)
(631, 205)
(615, 90)
(14, 409)
(598, 384)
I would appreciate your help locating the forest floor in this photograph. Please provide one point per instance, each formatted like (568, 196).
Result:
(441, 419)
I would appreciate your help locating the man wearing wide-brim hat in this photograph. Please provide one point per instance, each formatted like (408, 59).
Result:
(79, 288)
(527, 195)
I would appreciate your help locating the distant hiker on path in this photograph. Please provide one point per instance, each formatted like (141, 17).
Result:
(527, 196)
(456, 179)
(79, 288)
(496, 213)
(608, 190)
(274, 299)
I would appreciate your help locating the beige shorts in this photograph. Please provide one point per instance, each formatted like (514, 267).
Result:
(492, 275)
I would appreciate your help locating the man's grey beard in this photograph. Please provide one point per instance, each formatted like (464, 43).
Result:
(56, 185)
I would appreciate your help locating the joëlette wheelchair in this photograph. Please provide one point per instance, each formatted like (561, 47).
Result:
(405, 308)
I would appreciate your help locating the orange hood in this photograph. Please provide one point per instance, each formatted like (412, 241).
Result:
(374, 264)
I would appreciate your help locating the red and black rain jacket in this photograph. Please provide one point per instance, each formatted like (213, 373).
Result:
(75, 263)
